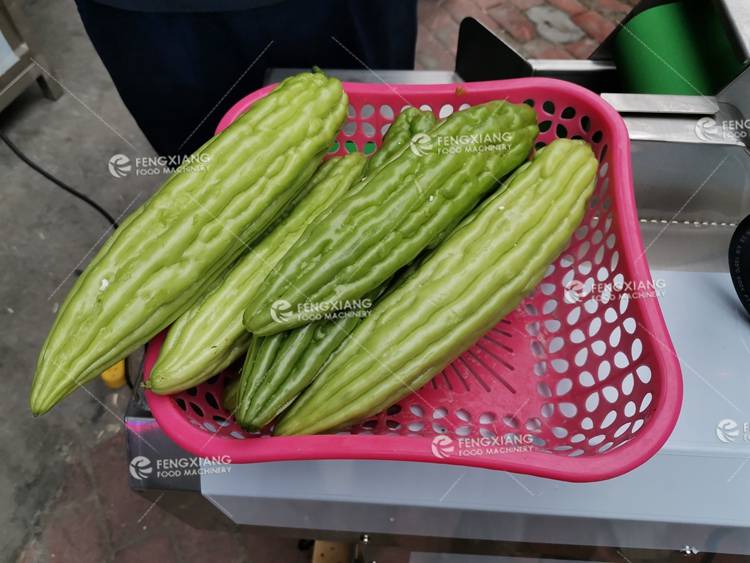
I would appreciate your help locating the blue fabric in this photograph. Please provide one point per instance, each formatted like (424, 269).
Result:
(178, 73)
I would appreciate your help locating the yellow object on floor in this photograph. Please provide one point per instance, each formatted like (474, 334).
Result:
(114, 377)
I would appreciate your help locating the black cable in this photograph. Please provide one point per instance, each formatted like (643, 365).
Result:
(75, 193)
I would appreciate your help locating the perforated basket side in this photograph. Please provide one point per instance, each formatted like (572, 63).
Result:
(592, 381)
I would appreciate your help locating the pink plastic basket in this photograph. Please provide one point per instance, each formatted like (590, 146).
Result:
(578, 383)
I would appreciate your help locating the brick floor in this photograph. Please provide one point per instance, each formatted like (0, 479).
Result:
(585, 23)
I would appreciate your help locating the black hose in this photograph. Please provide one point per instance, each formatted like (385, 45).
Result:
(75, 193)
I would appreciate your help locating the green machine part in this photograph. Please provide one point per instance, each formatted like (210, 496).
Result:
(676, 48)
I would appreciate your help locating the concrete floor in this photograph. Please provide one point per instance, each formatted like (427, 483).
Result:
(44, 235)
(63, 489)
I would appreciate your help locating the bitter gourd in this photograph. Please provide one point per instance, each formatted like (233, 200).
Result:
(230, 395)
(410, 122)
(480, 273)
(209, 336)
(278, 367)
(167, 252)
(403, 208)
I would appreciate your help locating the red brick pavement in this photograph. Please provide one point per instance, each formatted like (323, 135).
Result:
(439, 19)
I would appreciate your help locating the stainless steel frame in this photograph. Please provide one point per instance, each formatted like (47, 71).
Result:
(30, 67)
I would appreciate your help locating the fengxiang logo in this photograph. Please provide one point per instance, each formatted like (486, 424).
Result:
(422, 144)
(443, 446)
(577, 291)
(121, 165)
(709, 130)
(282, 310)
(730, 431)
(142, 467)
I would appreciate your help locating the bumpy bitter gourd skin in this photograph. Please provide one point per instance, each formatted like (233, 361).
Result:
(175, 245)
(278, 367)
(209, 336)
(494, 258)
(410, 122)
(403, 208)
